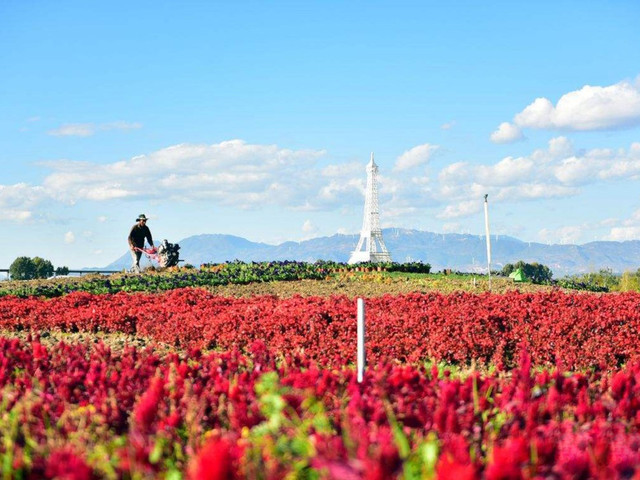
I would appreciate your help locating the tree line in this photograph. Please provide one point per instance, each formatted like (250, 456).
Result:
(26, 268)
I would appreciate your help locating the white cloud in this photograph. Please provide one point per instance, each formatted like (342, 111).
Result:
(461, 209)
(232, 173)
(628, 230)
(506, 133)
(575, 170)
(569, 235)
(308, 227)
(247, 176)
(560, 147)
(15, 215)
(507, 171)
(337, 189)
(621, 234)
(69, 237)
(346, 169)
(536, 115)
(448, 125)
(451, 227)
(589, 108)
(533, 191)
(418, 155)
(546, 173)
(88, 129)
(455, 173)
(398, 211)
(120, 125)
(18, 201)
(74, 130)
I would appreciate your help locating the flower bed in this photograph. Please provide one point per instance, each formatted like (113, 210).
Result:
(84, 411)
(577, 330)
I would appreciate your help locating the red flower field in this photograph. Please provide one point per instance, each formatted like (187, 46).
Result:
(576, 330)
(542, 385)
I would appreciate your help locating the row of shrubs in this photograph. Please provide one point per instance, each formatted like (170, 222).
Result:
(27, 268)
(408, 267)
(604, 280)
(235, 272)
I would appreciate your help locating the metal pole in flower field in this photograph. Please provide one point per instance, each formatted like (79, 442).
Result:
(486, 227)
(361, 332)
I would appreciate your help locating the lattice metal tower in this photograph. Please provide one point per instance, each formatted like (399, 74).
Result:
(371, 247)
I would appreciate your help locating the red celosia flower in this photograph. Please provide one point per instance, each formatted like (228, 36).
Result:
(147, 408)
(64, 464)
(449, 468)
(506, 462)
(619, 384)
(213, 462)
(573, 461)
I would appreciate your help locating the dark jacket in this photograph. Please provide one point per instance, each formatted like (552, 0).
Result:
(138, 234)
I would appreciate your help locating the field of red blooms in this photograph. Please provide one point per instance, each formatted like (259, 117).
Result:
(575, 330)
(265, 387)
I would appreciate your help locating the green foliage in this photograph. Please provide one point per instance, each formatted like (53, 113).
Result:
(535, 271)
(43, 268)
(408, 267)
(235, 272)
(25, 268)
(630, 281)
(62, 271)
(286, 436)
(22, 268)
(602, 281)
(508, 269)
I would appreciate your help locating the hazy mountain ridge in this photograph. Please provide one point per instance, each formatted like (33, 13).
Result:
(449, 250)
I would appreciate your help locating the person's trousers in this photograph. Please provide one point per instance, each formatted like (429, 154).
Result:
(135, 256)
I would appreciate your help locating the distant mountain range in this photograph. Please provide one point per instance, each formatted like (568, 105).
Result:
(450, 250)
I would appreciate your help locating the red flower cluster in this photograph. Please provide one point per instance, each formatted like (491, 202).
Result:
(576, 330)
(83, 412)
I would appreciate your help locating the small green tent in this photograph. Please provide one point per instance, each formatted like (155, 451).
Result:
(518, 275)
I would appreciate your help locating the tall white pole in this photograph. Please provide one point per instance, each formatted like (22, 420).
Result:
(361, 333)
(486, 227)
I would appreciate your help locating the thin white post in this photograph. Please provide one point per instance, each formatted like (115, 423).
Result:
(486, 227)
(361, 333)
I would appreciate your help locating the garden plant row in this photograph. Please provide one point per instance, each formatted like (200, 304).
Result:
(73, 411)
(235, 272)
(578, 331)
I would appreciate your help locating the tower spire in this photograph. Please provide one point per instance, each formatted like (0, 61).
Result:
(371, 247)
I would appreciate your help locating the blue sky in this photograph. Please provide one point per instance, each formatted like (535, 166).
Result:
(257, 119)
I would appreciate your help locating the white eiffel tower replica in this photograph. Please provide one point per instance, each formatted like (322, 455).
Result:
(371, 247)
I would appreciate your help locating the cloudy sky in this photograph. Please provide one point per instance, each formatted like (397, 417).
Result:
(258, 118)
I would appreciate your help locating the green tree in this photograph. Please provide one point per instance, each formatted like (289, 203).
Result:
(507, 269)
(44, 268)
(535, 271)
(22, 268)
(25, 268)
(538, 273)
(62, 271)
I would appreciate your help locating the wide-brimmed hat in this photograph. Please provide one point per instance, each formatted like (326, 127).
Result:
(141, 217)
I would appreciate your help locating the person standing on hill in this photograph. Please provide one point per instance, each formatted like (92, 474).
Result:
(138, 233)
